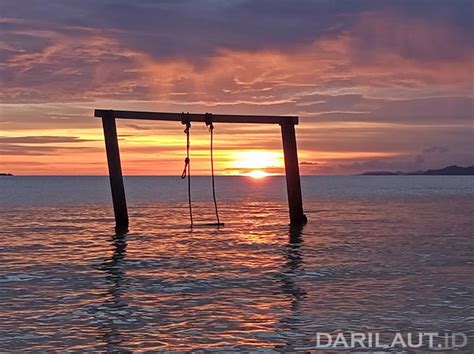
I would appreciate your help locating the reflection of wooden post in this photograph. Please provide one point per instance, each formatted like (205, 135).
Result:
(115, 170)
(293, 184)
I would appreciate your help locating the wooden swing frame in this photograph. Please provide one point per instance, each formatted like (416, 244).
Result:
(287, 124)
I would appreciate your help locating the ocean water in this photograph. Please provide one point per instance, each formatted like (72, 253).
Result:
(379, 254)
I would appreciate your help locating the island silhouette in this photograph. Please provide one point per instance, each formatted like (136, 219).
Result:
(446, 171)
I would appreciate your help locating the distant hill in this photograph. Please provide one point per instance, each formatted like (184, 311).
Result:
(447, 171)
(6, 174)
(452, 171)
(379, 173)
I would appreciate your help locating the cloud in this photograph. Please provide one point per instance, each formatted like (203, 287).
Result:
(41, 139)
(32, 150)
(40, 145)
(432, 110)
(141, 49)
(140, 127)
(407, 164)
(240, 170)
(371, 80)
(196, 29)
(436, 149)
(419, 37)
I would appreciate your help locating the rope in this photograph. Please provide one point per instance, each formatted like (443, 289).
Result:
(211, 130)
(187, 164)
(187, 167)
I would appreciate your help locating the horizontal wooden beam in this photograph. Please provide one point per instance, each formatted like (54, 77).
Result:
(196, 117)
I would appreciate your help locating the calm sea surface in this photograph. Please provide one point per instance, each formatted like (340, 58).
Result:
(380, 253)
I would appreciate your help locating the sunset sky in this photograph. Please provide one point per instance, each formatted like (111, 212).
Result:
(378, 85)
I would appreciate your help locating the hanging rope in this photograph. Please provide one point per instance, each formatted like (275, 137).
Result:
(211, 130)
(187, 164)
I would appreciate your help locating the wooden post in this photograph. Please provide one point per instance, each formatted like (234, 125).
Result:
(115, 171)
(293, 184)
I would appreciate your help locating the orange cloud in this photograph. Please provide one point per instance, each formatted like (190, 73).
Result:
(364, 74)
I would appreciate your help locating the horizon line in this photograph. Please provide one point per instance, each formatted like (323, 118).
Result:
(133, 175)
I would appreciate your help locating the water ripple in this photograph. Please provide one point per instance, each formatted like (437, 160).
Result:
(68, 283)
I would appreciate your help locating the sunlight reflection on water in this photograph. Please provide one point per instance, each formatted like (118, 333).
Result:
(68, 283)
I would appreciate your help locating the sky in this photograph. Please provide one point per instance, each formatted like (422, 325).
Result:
(378, 85)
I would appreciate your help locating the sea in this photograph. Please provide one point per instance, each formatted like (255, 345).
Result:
(379, 254)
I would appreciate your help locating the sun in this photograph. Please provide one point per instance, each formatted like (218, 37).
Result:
(257, 174)
(256, 163)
